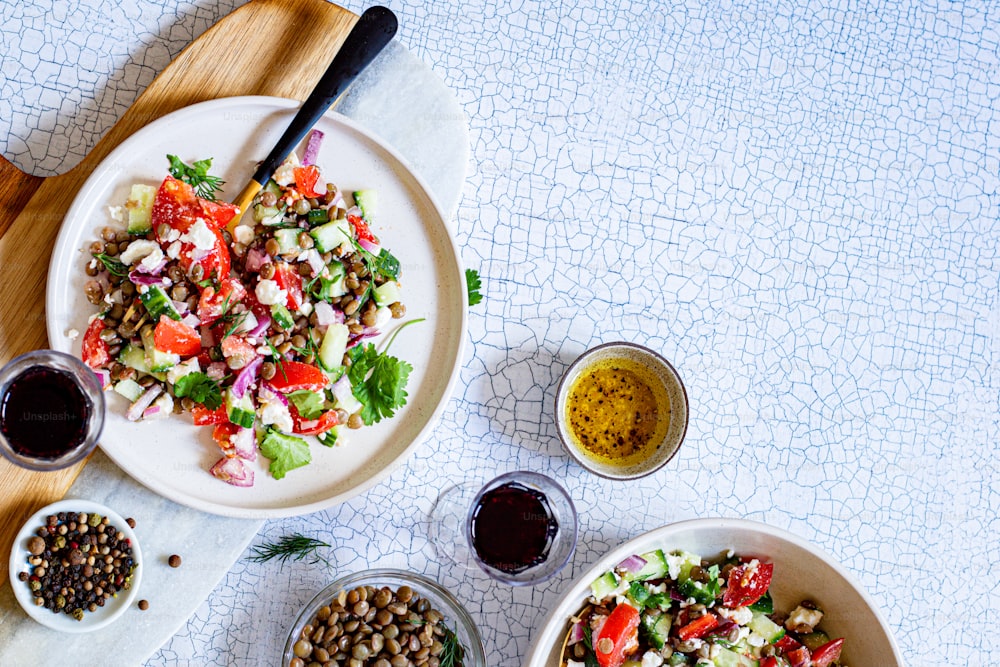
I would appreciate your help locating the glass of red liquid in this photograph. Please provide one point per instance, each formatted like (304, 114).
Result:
(519, 528)
(51, 410)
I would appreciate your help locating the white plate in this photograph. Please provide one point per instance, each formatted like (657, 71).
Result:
(172, 457)
(801, 571)
(92, 620)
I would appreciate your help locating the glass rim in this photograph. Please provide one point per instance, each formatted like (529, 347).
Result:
(85, 378)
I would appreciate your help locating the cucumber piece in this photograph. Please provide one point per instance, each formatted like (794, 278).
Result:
(333, 347)
(677, 658)
(697, 590)
(317, 216)
(240, 410)
(130, 389)
(656, 562)
(656, 629)
(388, 293)
(685, 561)
(332, 234)
(329, 439)
(604, 585)
(140, 208)
(288, 241)
(366, 200)
(157, 303)
(134, 357)
(764, 605)
(272, 187)
(727, 658)
(813, 640)
(267, 215)
(767, 628)
(282, 317)
(156, 360)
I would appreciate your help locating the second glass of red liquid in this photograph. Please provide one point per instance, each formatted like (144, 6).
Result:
(520, 528)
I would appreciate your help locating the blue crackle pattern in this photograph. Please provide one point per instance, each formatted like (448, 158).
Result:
(796, 205)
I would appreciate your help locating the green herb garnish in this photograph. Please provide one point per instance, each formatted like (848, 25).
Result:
(289, 547)
(309, 404)
(114, 266)
(378, 381)
(286, 452)
(199, 388)
(473, 284)
(196, 175)
(452, 652)
(384, 264)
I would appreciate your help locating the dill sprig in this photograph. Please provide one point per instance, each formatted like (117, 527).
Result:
(289, 547)
(452, 652)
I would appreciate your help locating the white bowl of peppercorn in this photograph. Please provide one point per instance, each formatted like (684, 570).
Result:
(75, 566)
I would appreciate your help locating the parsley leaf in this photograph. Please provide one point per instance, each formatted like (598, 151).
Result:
(196, 175)
(199, 388)
(308, 403)
(285, 451)
(114, 266)
(473, 285)
(378, 381)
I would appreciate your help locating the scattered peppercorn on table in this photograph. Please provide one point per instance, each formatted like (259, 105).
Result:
(795, 206)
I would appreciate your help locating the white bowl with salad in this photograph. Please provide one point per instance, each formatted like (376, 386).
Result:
(715, 592)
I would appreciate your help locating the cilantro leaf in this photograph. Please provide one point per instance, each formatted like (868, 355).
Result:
(285, 451)
(196, 175)
(378, 381)
(308, 403)
(114, 266)
(199, 388)
(473, 285)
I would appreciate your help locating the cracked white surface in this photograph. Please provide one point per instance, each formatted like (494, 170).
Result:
(796, 205)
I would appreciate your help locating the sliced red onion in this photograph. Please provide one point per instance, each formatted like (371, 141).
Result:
(103, 376)
(246, 377)
(150, 411)
(268, 394)
(315, 261)
(354, 339)
(191, 320)
(245, 444)
(632, 564)
(723, 628)
(370, 246)
(327, 314)
(181, 307)
(355, 211)
(312, 147)
(576, 633)
(342, 391)
(256, 258)
(134, 412)
(263, 324)
(139, 278)
(232, 471)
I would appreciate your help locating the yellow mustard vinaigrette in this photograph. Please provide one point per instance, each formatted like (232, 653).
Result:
(617, 411)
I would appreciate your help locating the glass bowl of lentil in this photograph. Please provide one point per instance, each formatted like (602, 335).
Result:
(104, 596)
(384, 618)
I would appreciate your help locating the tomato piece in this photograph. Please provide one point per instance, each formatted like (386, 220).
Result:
(619, 636)
(294, 375)
(828, 653)
(786, 644)
(361, 229)
(238, 347)
(798, 657)
(203, 416)
(176, 337)
(95, 351)
(321, 424)
(223, 434)
(289, 280)
(747, 584)
(177, 206)
(769, 661)
(699, 627)
(211, 302)
(305, 180)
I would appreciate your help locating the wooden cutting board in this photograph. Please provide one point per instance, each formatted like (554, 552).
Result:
(249, 52)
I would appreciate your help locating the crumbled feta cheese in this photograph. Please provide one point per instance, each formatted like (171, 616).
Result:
(674, 565)
(269, 293)
(243, 234)
(72, 334)
(651, 659)
(285, 174)
(801, 618)
(137, 250)
(173, 235)
(740, 615)
(166, 404)
(174, 250)
(152, 260)
(574, 663)
(199, 235)
(276, 414)
(306, 308)
(117, 213)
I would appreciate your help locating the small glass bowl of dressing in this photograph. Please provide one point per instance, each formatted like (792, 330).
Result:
(621, 410)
